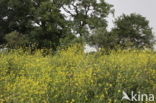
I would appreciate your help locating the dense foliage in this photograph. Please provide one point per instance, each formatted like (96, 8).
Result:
(87, 15)
(56, 23)
(71, 76)
(133, 31)
(40, 20)
(46, 22)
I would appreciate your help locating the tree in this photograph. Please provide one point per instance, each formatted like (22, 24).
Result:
(103, 39)
(44, 21)
(86, 15)
(133, 31)
(51, 25)
(15, 16)
(3, 25)
(40, 19)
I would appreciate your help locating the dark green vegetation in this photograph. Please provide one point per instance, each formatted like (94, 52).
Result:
(133, 31)
(55, 23)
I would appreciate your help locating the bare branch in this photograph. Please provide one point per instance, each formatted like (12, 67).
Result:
(66, 10)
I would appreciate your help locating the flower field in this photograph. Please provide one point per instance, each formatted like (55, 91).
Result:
(71, 76)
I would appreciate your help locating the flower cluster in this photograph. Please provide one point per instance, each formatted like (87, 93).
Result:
(71, 76)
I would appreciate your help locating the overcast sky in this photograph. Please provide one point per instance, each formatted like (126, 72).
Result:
(146, 8)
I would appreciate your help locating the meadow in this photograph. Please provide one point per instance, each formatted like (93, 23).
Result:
(71, 76)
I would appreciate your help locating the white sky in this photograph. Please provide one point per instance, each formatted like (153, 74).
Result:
(144, 7)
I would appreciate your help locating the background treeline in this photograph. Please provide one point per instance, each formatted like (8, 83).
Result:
(59, 23)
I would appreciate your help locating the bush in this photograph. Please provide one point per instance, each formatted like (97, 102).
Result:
(16, 39)
(70, 76)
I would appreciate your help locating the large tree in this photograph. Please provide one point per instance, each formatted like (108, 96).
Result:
(133, 31)
(14, 16)
(40, 19)
(86, 15)
(50, 24)
(46, 22)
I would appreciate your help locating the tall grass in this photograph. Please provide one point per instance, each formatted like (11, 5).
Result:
(72, 76)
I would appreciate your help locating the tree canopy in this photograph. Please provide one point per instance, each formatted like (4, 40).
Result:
(87, 15)
(133, 31)
(53, 23)
(40, 19)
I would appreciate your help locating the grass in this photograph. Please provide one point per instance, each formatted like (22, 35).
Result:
(71, 76)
